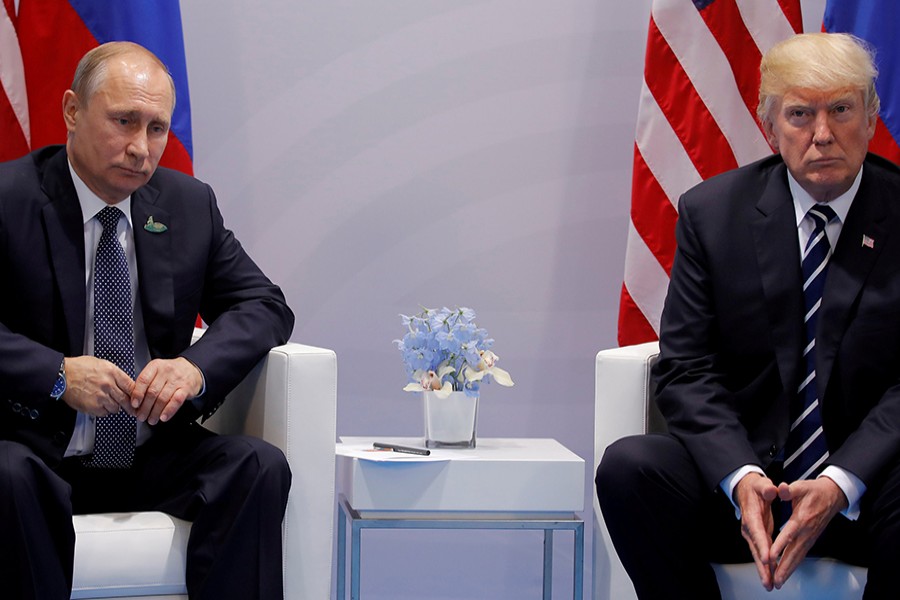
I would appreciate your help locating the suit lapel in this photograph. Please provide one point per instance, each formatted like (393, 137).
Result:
(848, 269)
(65, 233)
(777, 252)
(155, 268)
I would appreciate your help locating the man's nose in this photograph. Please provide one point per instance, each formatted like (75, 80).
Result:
(138, 145)
(822, 133)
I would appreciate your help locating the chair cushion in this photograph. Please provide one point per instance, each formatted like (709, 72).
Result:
(819, 578)
(129, 554)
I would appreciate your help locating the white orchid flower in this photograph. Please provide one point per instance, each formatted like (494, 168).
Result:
(487, 366)
(430, 381)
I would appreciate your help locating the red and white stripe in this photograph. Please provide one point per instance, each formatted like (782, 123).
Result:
(15, 130)
(696, 119)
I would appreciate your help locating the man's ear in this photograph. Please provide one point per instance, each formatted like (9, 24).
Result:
(769, 131)
(70, 106)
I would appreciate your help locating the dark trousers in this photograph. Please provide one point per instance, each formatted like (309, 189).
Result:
(232, 488)
(667, 525)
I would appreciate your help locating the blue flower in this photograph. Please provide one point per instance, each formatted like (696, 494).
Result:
(444, 351)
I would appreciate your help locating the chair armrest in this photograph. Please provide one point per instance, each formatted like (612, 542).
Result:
(290, 400)
(622, 396)
(622, 393)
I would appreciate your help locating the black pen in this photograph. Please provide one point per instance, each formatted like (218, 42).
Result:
(403, 449)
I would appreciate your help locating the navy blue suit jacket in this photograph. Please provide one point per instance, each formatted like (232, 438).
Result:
(195, 267)
(732, 328)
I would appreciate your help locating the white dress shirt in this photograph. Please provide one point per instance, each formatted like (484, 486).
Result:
(849, 483)
(82, 441)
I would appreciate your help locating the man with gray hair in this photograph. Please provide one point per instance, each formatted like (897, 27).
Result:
(106, 261)
(779, 366)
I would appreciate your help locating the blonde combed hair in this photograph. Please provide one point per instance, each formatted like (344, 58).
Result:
(817, 61)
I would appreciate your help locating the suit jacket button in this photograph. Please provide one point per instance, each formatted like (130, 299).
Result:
(17, 407)
(34, 414)
(59, 438)
(773, 451)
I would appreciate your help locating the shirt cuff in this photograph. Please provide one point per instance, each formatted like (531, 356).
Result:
(850, 484)
(731, 480)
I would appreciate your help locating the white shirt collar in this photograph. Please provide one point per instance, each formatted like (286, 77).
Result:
(91, 203)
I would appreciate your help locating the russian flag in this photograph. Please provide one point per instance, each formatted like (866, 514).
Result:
(876, 22)
(55, 34)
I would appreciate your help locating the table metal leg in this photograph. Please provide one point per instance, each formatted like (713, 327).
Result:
(358, 523)
(578, 555)
(355, 528)
(548, 564)
(341, 553)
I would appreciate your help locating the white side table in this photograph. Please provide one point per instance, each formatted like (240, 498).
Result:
(509, 483)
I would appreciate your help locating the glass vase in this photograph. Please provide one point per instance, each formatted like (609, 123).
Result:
(450, 422)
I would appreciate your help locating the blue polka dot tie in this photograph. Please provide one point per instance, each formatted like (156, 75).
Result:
(113, 340)
(806, 451)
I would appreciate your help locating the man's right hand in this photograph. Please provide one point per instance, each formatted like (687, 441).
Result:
(97, 387)
(754, 495)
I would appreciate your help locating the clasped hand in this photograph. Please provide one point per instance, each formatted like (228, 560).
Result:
(99, 388)
(813, 504)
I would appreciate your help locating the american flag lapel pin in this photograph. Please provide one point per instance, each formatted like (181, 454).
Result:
(868, 242)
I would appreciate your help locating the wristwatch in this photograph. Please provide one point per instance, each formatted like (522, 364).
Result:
(59, 388)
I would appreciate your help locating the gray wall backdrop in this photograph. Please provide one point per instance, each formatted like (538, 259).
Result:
(378, 155)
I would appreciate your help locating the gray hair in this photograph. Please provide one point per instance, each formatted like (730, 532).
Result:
(91, 69)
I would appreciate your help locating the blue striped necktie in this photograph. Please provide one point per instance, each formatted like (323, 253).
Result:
(806, 450)
(113, 341)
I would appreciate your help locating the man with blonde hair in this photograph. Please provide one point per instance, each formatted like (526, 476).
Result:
(106, 261)
(779, 366)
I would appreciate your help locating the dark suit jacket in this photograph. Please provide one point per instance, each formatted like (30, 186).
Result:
(196, 266)
(732, 328)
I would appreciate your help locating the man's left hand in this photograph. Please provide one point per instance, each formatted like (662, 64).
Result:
(813, 504)
(162, 387)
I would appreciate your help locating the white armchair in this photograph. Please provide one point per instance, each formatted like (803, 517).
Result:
(289, 399)
(624, 406)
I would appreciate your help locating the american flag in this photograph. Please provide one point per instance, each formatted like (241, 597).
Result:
(15, 131)
(696, 119)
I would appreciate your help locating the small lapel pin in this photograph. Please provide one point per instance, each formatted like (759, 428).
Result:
(154, 227)
(868, 242)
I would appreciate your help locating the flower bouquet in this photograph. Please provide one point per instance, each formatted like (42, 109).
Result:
(444, 351)
(447, 358)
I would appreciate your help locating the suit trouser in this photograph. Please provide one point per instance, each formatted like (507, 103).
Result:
(667, 525)
(232, 488)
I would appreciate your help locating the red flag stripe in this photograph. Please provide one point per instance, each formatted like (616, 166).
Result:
(686, 112)
(56, 26)
(12, 143)
(767, 25)
(702, 59)
(791, 11)
(631, 318)
(884, 144)
(696, 118)
(12, 81)
(652, 214)
(662, 151)
(724, 21)
(644, 277)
